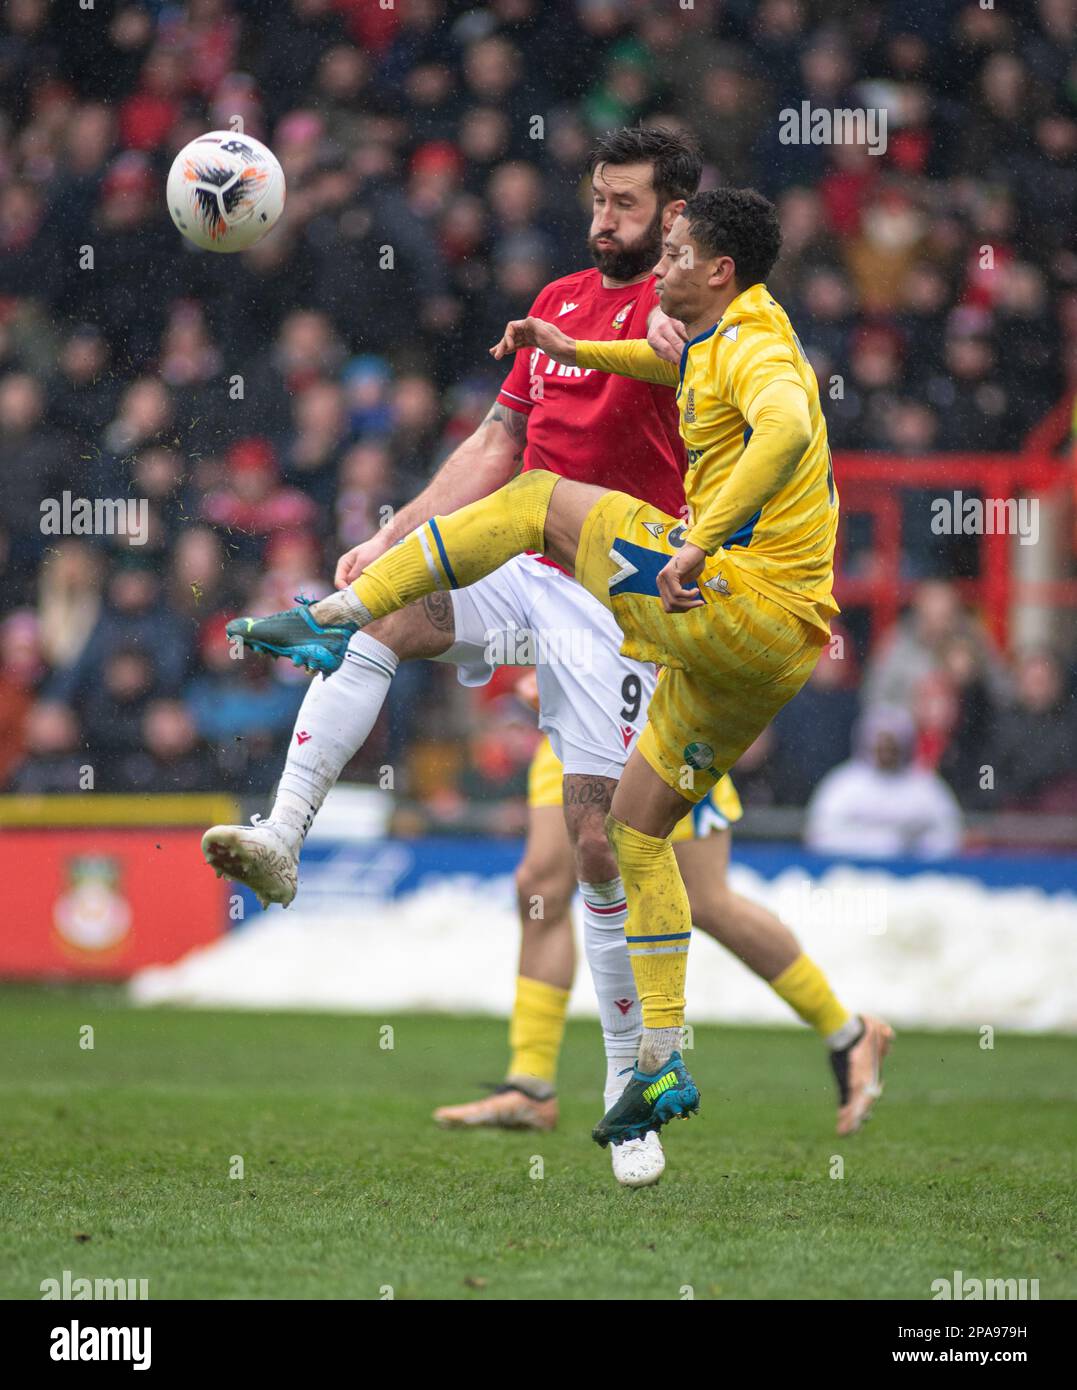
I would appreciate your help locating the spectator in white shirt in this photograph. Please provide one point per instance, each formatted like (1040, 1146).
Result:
(879, 804)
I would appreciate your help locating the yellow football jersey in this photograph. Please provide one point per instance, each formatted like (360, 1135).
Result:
(786, 549)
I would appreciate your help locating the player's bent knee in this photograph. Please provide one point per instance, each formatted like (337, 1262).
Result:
(543, 893)
(712, 912)
(570, 502)
(595, 859)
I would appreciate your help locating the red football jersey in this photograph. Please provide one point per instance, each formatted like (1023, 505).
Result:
(590, 425)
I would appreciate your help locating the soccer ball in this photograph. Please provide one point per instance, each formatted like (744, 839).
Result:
(225, 191)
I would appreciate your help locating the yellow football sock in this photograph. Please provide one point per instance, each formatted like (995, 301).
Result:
(537, 1029)
(659, 923)
(806, 989)
(450, 552)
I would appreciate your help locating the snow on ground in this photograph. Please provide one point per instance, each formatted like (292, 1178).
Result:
(931, 950)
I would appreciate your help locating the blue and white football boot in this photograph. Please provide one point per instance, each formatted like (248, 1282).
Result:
(648, 1102)
(295, 635)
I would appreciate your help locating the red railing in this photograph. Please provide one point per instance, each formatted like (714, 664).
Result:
(871, 484)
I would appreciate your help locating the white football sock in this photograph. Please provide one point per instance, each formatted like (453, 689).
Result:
(334, 721)
(341, 607)
(657, 1046)
(604, 915)
(618, 1075)
(850, 1032)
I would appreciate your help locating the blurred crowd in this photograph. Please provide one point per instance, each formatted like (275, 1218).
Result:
(271, 407)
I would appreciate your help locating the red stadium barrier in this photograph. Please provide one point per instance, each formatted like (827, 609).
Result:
(103, 904)
(871, 484)
(97, 887)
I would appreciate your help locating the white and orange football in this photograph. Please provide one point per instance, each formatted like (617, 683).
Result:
(225, 191)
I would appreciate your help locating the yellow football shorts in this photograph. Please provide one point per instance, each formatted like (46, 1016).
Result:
(729, 666)
(717, 811)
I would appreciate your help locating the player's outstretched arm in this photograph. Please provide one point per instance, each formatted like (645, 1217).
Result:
(632, 357)
(485, 461)
(533, 332)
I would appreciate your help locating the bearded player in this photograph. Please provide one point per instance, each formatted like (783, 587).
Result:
(640, 179)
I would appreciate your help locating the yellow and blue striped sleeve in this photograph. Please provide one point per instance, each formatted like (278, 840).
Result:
(632, 357)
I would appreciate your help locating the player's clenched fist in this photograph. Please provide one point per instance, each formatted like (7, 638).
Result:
(353, 562)
(666, 336)
(677, 586)
(532, 332)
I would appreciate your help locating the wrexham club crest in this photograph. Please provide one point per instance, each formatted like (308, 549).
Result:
(699, 756)
(92, 916)
(622, 314)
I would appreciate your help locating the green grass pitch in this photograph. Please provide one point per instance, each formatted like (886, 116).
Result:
(115, 1163)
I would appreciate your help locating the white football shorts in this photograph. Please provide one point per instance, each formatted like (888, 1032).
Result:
(593, 701)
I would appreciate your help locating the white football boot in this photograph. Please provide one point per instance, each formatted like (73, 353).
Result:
(263, 855)
(858, 1070)
(638, 1162)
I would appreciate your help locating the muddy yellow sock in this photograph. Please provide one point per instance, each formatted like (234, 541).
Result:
(450, 552)
(659, 924)
(537, 1029)
(806, 990)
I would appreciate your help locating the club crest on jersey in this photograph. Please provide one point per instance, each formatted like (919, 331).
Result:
(676, 537)
(699, 756)
(690, 407)
(622, 314)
